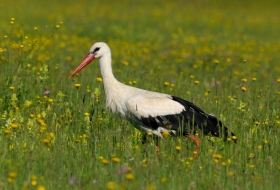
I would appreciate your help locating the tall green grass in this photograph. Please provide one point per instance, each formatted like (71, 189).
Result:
(57, 134)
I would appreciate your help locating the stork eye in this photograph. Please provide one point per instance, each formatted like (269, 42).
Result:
(95, 50)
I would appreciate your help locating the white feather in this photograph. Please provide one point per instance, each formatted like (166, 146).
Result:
(152, 104)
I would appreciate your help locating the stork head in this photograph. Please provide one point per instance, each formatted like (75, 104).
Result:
(98, 50)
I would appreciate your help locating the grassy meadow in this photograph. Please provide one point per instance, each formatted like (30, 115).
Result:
(55, 132)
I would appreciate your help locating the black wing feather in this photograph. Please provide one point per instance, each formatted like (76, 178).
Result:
(188, 121)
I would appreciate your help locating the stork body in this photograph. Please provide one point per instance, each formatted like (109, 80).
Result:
(151, 111)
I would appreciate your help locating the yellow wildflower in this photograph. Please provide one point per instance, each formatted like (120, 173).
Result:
(10, 180)
(51, 134)
(77, 85)
(124, 63)
(105, 162)
(129, 176)
(150, 187)
(216, 61)
(111, 185)
(150, 133)
(14, 125)
(6, 131)
(251, 165)
(163, 180)
(27, 103)
(166, 83)
(243, 88)
(251, 156)
(33, 182)
(165, 134)
(217, 156)
(117, 160)
(178, 148)
(230, 173)
(99, 79)
(46, 141)
(12, 175)
(41, 188)
(51, 100)
(244, 80)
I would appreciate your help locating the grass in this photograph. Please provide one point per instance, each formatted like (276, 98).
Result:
(56, 133)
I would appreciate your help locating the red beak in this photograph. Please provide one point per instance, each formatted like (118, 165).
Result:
(89, 58)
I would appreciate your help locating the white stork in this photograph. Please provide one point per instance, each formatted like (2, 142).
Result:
(151, 111)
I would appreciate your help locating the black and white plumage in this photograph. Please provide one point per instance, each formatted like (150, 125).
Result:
(151, 111)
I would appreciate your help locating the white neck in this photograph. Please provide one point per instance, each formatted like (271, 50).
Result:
(112, 86)
(105, 63)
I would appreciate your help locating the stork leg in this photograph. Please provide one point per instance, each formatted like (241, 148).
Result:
(156, 140)
(197, 141)
(144, 138)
